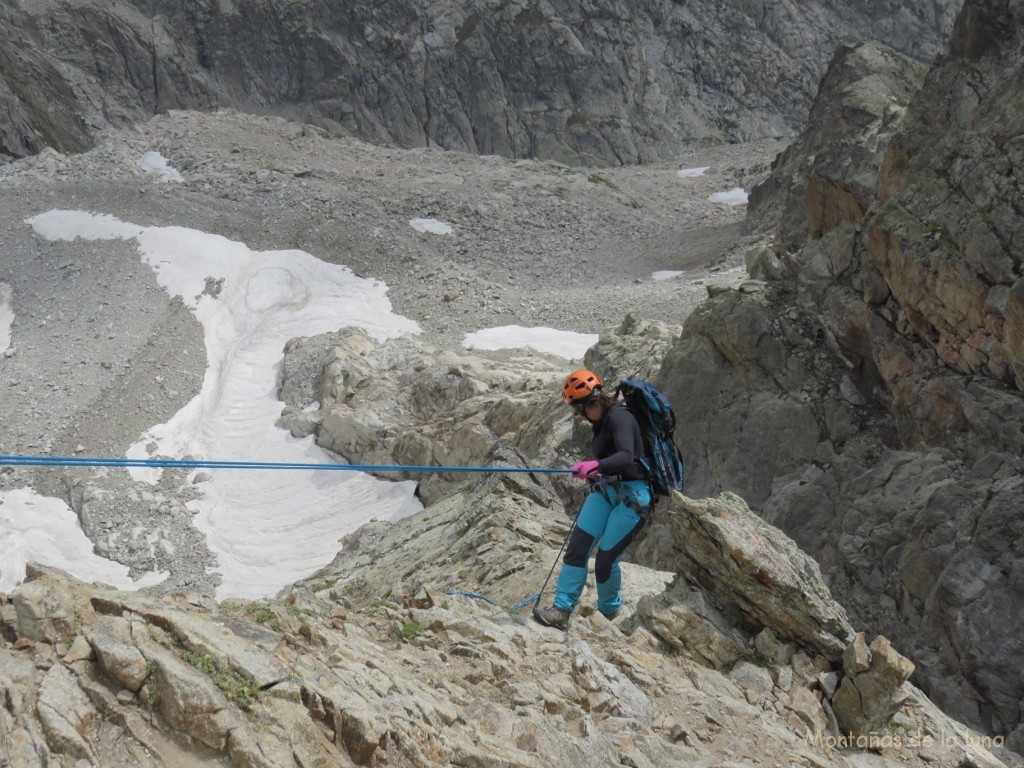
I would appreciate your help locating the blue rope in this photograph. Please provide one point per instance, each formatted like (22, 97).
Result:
(530, 599)
(76, 461)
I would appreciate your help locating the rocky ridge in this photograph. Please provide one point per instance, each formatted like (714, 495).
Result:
(730, 646)
(352, 669)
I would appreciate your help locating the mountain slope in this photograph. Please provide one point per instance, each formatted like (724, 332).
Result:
(598, 83)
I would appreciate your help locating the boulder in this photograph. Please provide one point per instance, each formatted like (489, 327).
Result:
(685, 620)
(188, 700)
(65, 713)
(232, 643)
(871, 691)
(44, 612)
(399, 403)
(753, 570)
(116, 653)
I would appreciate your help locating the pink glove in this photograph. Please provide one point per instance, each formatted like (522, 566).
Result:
(585, 470)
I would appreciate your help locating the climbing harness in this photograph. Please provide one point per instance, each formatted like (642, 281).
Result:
(644, 511)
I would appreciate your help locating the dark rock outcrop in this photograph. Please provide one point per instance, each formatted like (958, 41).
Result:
(593, 83)
(868, 399)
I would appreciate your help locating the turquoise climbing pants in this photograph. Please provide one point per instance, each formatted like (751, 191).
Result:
(609, 523)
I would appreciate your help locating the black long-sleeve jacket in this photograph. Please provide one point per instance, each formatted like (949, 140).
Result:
(618, 444)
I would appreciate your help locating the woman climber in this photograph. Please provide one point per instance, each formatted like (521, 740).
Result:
(615, 510)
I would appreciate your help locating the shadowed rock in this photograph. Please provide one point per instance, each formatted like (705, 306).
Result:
(868, 401)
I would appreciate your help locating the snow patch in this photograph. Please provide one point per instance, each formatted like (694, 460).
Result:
(433, 226)
(666, 274)
(156, 164)
(68, 225)
(6, 316)
(567, 344)
(734, 196)
(268, 528)
(690, 173)
(39, 529)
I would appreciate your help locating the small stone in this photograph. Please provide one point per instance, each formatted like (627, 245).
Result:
(80, 650)
(828, 681)
(288, 691)
(782, 677)
(857, 657)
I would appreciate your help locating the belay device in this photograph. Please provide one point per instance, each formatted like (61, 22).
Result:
(662, 461)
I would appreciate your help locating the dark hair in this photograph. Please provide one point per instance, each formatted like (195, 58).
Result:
(599, 396)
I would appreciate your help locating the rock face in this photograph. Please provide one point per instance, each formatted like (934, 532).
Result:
(947, 235)
(867, 399)
(390, 655)
(598, 83)
(828, 175)
(414, 646)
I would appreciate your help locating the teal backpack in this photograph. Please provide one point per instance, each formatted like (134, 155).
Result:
(662, 461)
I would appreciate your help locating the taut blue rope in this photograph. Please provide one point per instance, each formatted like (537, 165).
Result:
(86, 461)
(78, 461)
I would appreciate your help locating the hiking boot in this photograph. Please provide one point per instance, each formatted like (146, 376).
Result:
(552, 617)
(610, 616)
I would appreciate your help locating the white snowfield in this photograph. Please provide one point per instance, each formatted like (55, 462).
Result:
(432, 226)
(568, 344)
(43, 530)
(156, 164)
(734, 196)
(267, 528)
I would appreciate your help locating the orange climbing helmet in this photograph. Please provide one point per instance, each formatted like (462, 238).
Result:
(579, 384)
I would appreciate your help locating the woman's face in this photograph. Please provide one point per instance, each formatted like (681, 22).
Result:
(591, 410)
